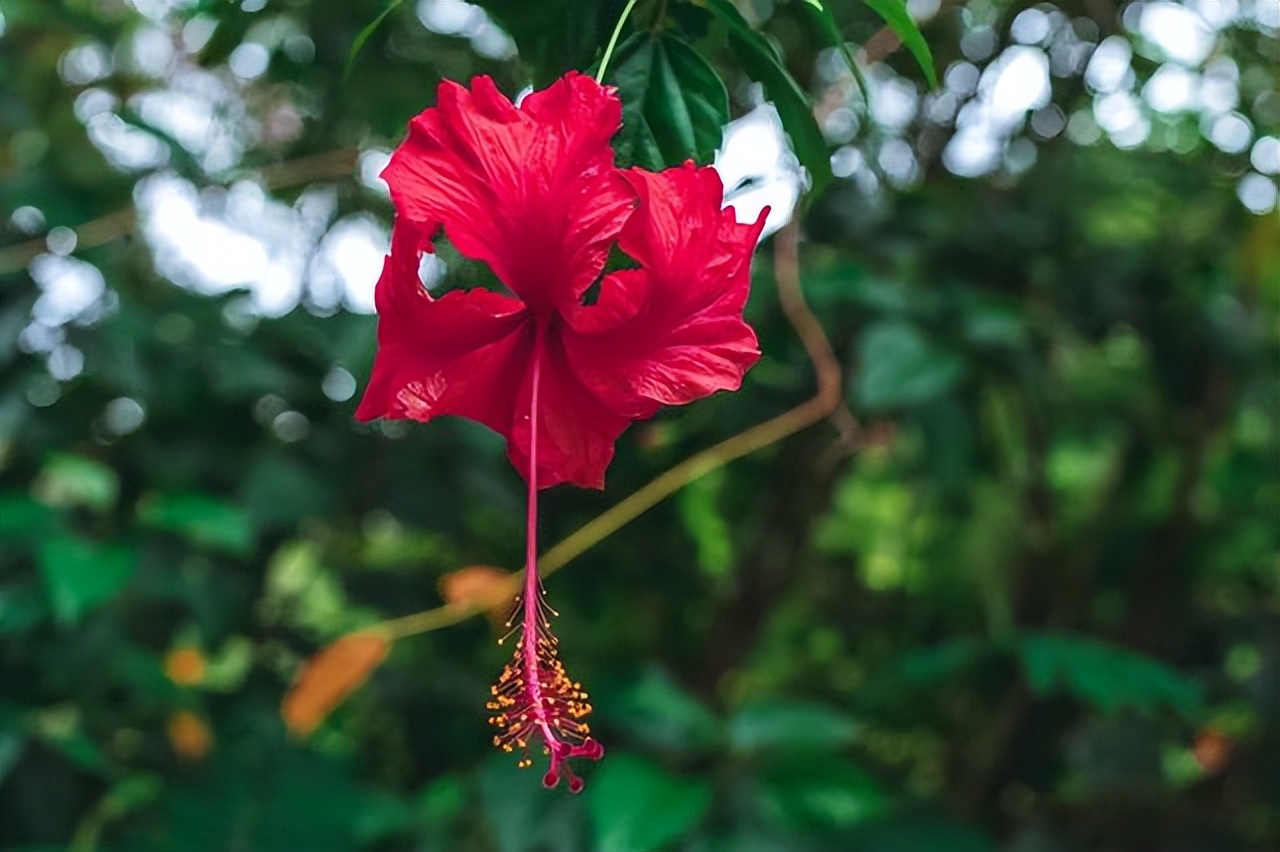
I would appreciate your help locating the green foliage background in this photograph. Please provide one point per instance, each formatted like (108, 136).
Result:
(1037, 609)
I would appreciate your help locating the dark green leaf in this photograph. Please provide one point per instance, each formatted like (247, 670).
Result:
(21, 607)
(363, 36)
(80, 574)
(656, 711)
(789, 725)
(761, 63)
(819, 791)
(674, 103)
(894, 13)
(1106, 675)
(636, 806)
(899, 366)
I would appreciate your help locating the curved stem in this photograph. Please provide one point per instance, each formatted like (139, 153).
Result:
(613, 40)
(827, 402)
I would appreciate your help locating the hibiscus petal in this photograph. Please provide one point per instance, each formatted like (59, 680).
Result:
(531, 191)
(464, 354)
(672, 331)
(576, 432)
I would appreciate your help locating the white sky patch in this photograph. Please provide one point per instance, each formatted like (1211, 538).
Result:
(69, 289)
(346, 266)
(237, 239)
(1020, 82)
(893, 98)
(1257, 193)
(198, 109)
(1015, 83)
(466, 20)
(1172, 89)
(758, 168)
(126, 147)
(1108, 70)
(1230, 133)
(1178, 34)
(1265, 155)
(369, 169)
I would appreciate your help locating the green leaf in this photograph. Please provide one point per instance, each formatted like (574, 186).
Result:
(762, 64)
(520, 815)
(819, 791)
(363, 36)
(69, 482)
(21, 608)
(653, 710)
(22, 518)
(205, 520)
(899, 366)
(80, 574)
(914, 832)
(552, 37)
(706, 525)
(636, 806)
(1106, 675)
(674, 103)
(827, 22)
(894, 13)
(789, 725)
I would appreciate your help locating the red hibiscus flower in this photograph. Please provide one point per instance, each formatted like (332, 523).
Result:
(532, 191)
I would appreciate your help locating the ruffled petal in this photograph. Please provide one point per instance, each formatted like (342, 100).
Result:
(464, 354)
(530, 191)
(672, 331)
(576, 432)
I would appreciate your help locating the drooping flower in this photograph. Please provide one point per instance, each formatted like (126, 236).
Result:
(532, 191)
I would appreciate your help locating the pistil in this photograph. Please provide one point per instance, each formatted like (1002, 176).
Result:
(534, 696)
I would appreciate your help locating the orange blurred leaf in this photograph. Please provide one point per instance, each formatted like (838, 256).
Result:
(189, 735)
(1212, 750)
(184, 666)
(480, 587)
(326, 680)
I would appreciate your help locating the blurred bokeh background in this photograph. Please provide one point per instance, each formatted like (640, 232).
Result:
(1035, 609)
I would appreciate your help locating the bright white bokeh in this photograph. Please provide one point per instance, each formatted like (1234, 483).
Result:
(759, 169)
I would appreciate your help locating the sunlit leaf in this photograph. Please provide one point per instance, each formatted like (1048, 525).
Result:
(326, 680)
(69, 481)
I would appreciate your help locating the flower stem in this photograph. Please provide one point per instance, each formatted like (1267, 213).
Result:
(613, 40)
(532, 585)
